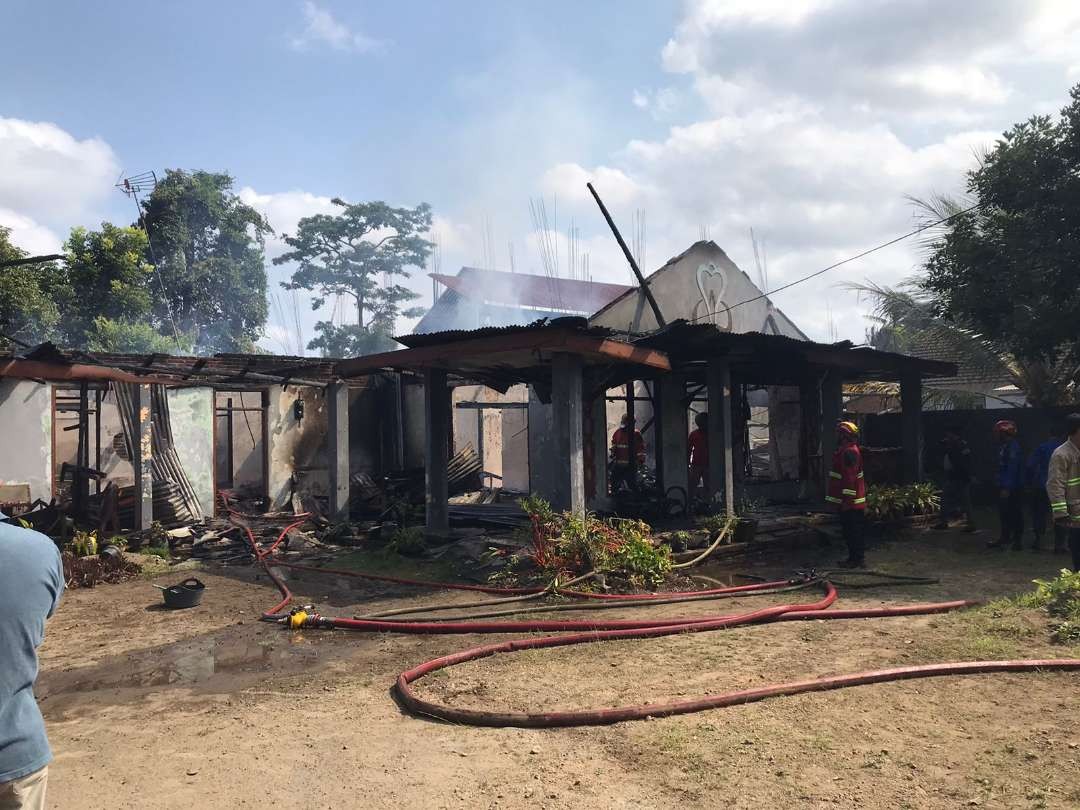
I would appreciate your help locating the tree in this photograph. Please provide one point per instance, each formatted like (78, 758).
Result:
(348, 255)
(209, 248)
(1008, 267)
(108, 335)
(106, 279)
(28, 309)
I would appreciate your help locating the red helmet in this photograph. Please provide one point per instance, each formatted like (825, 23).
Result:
(1005, 427)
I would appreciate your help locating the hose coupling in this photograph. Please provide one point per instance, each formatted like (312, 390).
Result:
(303, 616)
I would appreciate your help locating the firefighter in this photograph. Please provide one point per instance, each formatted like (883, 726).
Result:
(698, 445)
(1063, 486)
(1010, 481)
(621, 441)
(847, 492)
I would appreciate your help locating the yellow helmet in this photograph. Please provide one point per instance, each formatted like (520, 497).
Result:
(850, 428)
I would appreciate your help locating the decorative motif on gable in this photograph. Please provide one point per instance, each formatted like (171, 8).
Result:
(710, 308)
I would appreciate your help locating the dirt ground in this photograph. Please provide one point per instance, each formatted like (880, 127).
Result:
(208, 708)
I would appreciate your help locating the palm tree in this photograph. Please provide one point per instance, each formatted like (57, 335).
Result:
(905, 318)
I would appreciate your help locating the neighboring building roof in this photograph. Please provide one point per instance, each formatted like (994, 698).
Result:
(528, 290)
(975, 376)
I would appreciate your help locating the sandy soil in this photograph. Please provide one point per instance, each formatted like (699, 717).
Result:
(209, 708)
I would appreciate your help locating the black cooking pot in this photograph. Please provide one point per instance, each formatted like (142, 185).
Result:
(185, 595)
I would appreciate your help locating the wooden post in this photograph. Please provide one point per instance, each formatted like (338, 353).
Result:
(721, 462)
(673, 433)
(436, 449)
(567, 401)
(911, 425)
(337, 440)
(144, 483)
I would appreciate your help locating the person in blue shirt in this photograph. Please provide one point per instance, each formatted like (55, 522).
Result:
(31, 582)
(1010, 481)
(1038, 470)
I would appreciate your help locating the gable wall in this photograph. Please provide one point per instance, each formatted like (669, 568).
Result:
(702, 281)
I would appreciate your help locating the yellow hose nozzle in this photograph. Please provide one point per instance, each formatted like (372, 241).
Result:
(297, 619)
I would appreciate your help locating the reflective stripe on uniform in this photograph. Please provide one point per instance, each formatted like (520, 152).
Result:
(848, 492)
(1072, 482)
(831, 499)
(860, 475)
(859, 500)
(835, 475)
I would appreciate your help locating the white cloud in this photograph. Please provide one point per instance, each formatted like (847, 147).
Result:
(567, 182)
(34, 238)
(283, 209)
(324, 29)
(51, 177)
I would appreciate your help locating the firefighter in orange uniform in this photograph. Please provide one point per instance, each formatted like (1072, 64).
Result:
(620, 452)
(847, 492)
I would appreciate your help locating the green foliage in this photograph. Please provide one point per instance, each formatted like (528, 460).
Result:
(360, 253)
(84, 544)
(1008, 268)
(349, 340)
(889, 503)
(28, 310)
(209, 249)
(106, 335)
(566, 545)
(408, 541)
(1060, 597)
(107, 277)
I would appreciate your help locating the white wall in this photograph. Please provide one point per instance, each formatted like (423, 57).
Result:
(191, 413)
(297, 448)
(26, 435)
(701, 285)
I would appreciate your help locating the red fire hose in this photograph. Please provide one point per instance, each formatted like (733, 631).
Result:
(597, 631)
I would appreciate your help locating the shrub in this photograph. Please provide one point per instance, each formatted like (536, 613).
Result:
(891, 503)
(565, 545)
(408, 541)
(1060, 597)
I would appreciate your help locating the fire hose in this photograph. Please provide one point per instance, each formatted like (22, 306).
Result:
(592, 631)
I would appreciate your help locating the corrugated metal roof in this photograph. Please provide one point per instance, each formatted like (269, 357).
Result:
(529, 290)
(581, 325)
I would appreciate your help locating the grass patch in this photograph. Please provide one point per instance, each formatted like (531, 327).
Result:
(157, 551)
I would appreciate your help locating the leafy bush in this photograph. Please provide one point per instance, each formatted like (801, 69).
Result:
(408, 541)
(84, 544)
(1060, 597)
(891, 503)
(565, 545)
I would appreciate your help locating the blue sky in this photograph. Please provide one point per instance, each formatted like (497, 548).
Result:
(809, 121)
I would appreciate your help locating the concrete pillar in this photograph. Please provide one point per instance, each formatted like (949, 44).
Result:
(673, 432)
(436, 449)
(832, 409)
(911, 426)
(567, 403)
(721, 462)
(337, 446)
(144, 480)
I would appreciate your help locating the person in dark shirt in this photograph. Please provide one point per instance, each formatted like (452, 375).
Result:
(956, 491)
(1010, 482)
(1038, 470)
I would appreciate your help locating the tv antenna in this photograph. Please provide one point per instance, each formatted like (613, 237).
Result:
(132, 186)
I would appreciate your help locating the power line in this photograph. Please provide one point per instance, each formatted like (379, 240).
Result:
(850, 259)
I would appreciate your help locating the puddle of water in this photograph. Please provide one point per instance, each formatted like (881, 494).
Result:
(196, 661)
